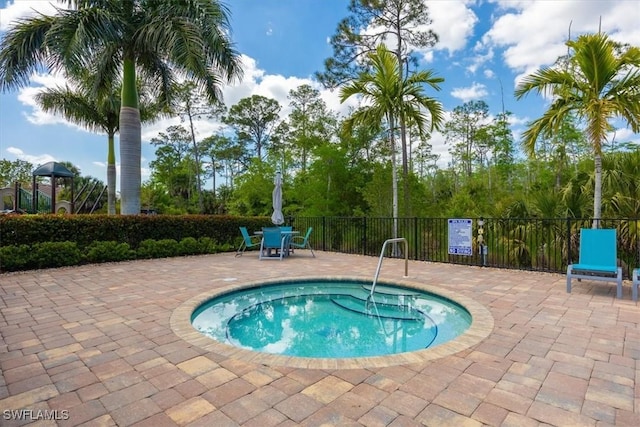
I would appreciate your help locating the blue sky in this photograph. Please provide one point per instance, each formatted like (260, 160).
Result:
(485, 45)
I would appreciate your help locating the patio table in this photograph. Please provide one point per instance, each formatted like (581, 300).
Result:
(289, 234)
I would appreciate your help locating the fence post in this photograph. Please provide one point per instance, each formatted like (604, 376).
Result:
(568, 241)
(415, 238)
(324, 233)
(364, 236)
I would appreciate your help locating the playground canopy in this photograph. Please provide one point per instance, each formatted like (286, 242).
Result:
(53, 170)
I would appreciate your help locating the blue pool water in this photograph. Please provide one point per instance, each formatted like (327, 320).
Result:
(331, 319)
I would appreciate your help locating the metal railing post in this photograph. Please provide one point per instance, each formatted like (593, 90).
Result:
(406, 260)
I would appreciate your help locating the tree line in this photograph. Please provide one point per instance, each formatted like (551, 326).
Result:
(362, 164)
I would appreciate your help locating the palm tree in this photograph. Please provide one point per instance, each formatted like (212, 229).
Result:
(389, 97)
(600, 82)
(161, 40)
(77, 104)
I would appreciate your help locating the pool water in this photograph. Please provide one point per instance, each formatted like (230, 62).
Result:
(333, 319)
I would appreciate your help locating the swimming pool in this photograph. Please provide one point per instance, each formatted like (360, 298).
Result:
(329, 318)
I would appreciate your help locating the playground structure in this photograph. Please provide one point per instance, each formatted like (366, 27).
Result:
(20, 200)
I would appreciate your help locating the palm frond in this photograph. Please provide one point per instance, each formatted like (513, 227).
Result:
(23, 50)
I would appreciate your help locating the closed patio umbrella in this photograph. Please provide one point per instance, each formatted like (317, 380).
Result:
(277, 218)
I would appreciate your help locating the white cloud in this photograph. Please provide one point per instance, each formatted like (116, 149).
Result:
(255, 82)
(16, 9)
(34, 160)
(26, 96)
(624, 134)
(533, 33)
(453, 22)
(465, 94)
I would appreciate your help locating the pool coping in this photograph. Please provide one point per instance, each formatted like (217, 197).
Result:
(481, 326)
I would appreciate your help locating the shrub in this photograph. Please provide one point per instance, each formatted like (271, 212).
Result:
(109, 251)
(208, 245)
(190, 246)
(158, 248)
(16, 257)
(56, 254)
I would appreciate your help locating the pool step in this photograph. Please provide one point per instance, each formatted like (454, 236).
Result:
(391, 291)
(373, 308)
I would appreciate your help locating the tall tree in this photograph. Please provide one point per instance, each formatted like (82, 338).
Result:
(461, 131)
(564, 148)
(601, 81)
(388, 96)
(253, 119)
(158, 39)
(190, 105)
(173, 166)
(77, 103)
(210, 147)
(15, 171)
(401, 25)
(501, 145)
(229, 157)
(309, 122)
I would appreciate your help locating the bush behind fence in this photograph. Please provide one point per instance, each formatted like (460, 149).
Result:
(528, 243)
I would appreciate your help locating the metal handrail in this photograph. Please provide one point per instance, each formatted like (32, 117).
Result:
(406, 260)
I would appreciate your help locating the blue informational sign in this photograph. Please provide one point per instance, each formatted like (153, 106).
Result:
(460, 238)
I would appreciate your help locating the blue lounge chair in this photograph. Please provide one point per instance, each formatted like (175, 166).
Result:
(247, 241)
(272, 239)
(598, 258)
(635, 284)
(297, 244)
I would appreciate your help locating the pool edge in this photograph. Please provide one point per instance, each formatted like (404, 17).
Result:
(481, 326)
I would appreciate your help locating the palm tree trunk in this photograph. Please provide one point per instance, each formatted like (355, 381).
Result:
(130, 142)
(130, 156)
(403, 135)
(394, 186)
(597, 192)
(111, 176)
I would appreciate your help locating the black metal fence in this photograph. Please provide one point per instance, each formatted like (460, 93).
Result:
(526, 244)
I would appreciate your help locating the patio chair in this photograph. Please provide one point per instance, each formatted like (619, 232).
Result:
(272, 240)
(635, 284)
(598, 258)
(247, 241)
(304, 244)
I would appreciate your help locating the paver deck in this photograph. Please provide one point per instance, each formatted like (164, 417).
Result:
(102, 345)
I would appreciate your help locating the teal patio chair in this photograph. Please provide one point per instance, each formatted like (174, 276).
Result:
(287, 244)
(598, 258)
(635, 284)
(247, 241)
(304, 244)
(272, 239)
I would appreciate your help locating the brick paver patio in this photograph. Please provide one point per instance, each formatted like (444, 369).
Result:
(97, 345)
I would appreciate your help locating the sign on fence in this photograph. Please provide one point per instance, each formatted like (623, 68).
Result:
(460, 238)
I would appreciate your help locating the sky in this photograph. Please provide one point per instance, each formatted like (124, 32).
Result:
(485, 47)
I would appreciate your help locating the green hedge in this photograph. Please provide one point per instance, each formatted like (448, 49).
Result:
(40, 241)
(130, 229)
(59, 254)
